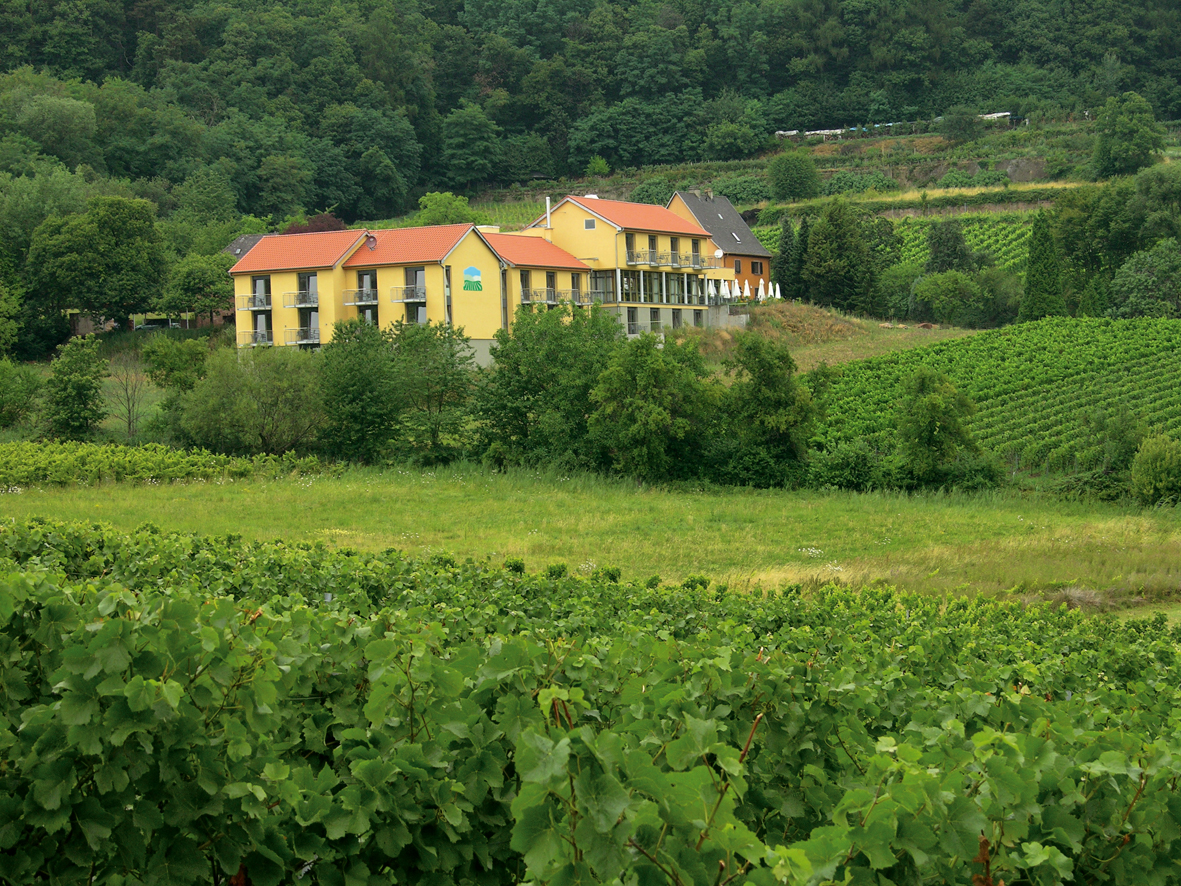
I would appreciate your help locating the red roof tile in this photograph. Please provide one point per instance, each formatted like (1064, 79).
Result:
(404, 246)
(532, 252)
(292, 252)
(640, 216)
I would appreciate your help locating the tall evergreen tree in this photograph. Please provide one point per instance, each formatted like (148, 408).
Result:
(1043, 275)
(839, 269)
(795, 288)
(781, 264)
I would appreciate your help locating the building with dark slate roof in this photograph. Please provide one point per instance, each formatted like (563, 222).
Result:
(741, 250)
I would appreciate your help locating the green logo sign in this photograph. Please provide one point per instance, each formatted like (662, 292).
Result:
(471, 280)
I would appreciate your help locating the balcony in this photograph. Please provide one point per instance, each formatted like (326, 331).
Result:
(545, 296)
(701, 262)
(301, 299)
(402, 294)
(254, 302)
(578, 297)
(305, 335)
(360, 296)
(251, 337)
(643, 257)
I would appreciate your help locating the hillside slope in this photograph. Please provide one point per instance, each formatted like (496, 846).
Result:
(1034, 385)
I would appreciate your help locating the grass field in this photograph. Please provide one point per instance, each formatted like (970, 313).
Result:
(991, 544)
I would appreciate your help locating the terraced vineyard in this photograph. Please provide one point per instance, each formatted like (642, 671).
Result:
(1005, 235)
(1034, 385)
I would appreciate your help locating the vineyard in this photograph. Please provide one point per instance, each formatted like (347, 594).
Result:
(182, 710)
(1005, 236)
(66, 463)
(1034, 385)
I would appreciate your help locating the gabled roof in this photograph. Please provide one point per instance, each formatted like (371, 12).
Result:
(532, 252)
(243, 245)
(405, 246)
(297, 252)
(718, 216)
(636, 216)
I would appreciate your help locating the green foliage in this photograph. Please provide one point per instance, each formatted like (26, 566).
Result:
(10, 318)
(433, 368)
(839, 270)
(470, 149)
(1148, 284)
(961, 124)
(852, 465)
(657, 191)
(334, 709)
(597, 167)
(932, 424)
(1036, 387)
(845, 182)
(108, 262)
(651, 405)
(362, 399)
(253, 402)
(534, 401)
(1128, 137)
(1156, 470)
(19, 386)
(175, 364)
(947, 249)
(1093, 302)
(792, 176)
(952, 298)
(68, 463)
(1003, 237)
(896, 288)
(73, 402)
(742, 189)
(199, 284)
(1043, 280)
(445, 208)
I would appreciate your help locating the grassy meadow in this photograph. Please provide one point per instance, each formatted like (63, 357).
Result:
(998, 543)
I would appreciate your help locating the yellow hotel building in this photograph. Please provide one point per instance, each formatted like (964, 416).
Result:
(644, 263)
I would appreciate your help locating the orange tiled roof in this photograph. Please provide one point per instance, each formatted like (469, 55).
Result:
(532, 252)
(293, 252)
(640, 216)
(404, 246)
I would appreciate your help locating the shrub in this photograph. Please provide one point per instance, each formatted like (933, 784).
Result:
(1156, 469)
(73, 395)
(852, 465)
(657, 191)
(556, 570)
(515, 565)
(597, 167)
(19, 386)
(743, 189)
(793, 176)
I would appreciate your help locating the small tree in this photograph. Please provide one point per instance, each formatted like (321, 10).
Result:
(19, 386)
(793, 176)
(445, 208)
(434, 368)
(10, 310)
(931, 424)
(129, 388)
(961, 124)
(1156, 469)
(362, 401)
(1043, 276)
(796, 288)
(1128, 136)
(839, 270)
(1149, 283)
(74, 405)
(948, 249)
(651, 406)
(198, 284)
(781, 263)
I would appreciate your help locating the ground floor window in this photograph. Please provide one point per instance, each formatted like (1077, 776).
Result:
(699, 318)
(676, 318)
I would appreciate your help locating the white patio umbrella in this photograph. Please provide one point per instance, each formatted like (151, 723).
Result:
(710, 291)
(778, 294)
(762, 291)
(745, 290)
(725, 290)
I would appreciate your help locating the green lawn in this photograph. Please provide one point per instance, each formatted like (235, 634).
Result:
(987, 543)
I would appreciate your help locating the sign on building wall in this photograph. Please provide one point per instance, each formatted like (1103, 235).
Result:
(471, 280)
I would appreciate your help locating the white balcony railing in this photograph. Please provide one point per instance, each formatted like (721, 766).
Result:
(254, 302)
(305, 335)
(400, 294)
(301, 299)
(251, 337)
(360, 296)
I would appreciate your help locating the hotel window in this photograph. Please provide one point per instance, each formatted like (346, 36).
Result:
(699, 318)
(737, 266)
(676, 318)
(575, 289)
(756, 267)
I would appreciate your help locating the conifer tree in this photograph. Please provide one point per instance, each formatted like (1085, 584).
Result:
(788, 244)
(795, 270)
(839, 269)
(1093, 302)
(1043, 276)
